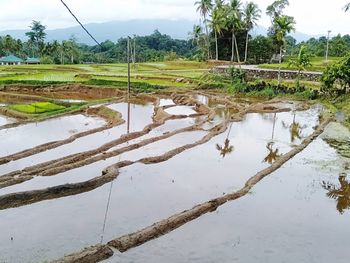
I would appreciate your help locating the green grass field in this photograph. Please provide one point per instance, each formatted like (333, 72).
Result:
(37, 108)
(317, 64)
(158, 74)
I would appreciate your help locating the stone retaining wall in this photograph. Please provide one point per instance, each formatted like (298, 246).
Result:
(254, 73)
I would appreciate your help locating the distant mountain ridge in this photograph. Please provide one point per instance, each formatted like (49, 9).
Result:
(114, 30)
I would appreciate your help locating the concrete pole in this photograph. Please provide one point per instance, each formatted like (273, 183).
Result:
(327, 49)
(128, 58)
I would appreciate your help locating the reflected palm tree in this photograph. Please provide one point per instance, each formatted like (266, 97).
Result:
(295, 129)
(226, 148)
(340, 193)
(273, 154)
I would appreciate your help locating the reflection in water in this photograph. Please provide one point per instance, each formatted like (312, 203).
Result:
(226, 148)
(111, 186)
(274, 126)
(273, 154)
(295, 129)
(340, 193)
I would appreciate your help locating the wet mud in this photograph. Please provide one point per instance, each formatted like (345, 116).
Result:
(211, 114)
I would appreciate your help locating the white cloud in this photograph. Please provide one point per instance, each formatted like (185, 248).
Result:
(312, 16)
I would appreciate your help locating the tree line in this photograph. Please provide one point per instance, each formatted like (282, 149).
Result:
(224, 33)
(155, 47)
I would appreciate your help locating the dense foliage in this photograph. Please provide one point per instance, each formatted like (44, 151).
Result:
(336, 78)
(155, 47)
(224, 34)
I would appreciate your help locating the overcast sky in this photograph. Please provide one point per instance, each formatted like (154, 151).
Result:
(312, 16)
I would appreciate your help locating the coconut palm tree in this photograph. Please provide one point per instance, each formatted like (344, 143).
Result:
(282, 26)
(276, 9)
(301, 62)
(218, 24)
(234, 23)
(196, 34)
(251, 15)
(199, 40)
(204, 7)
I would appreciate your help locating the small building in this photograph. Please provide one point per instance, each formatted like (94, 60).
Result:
(10, 60)
(32, 61)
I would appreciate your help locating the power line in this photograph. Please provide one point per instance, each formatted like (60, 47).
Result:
(70, 11)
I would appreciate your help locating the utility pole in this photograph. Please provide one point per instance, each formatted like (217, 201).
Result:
(327, 49)
(128, 58)
(134, 60)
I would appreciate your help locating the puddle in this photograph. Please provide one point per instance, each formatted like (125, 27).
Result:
(202, 98)
(166, 102)
(13, 139)
(288, 217)
(141, 115)
(143, 194)
(72, 101)
(5, 120)
(181, 110)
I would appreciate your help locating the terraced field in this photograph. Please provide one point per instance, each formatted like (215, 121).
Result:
(111, 178)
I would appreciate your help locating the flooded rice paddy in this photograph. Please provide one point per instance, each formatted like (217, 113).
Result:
(170, 154)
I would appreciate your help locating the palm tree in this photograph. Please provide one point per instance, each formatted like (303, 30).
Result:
(234, 23)
(282, 26)
(196, 34)
(198, 40)
(276, 9)
(301, 62)
(218, 24)
(251, 15)
(204, 7)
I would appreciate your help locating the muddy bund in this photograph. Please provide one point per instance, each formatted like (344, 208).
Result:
(170, 177)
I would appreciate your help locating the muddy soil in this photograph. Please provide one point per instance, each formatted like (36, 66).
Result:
(72, 92)
(204, 117)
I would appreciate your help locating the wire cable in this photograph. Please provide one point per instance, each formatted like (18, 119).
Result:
(70, 11)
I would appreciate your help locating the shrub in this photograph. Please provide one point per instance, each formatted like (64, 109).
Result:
(336, 78)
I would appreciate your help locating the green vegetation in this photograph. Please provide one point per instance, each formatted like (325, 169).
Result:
(145, 76)
(316, 64)
(155, 47)
(336, 78)
(37, 108)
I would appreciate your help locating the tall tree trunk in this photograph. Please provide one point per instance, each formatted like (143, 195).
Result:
(207, 38)
(216, 45)
(246, 47)
(233, 47)
(61, 57)
(279, 67)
